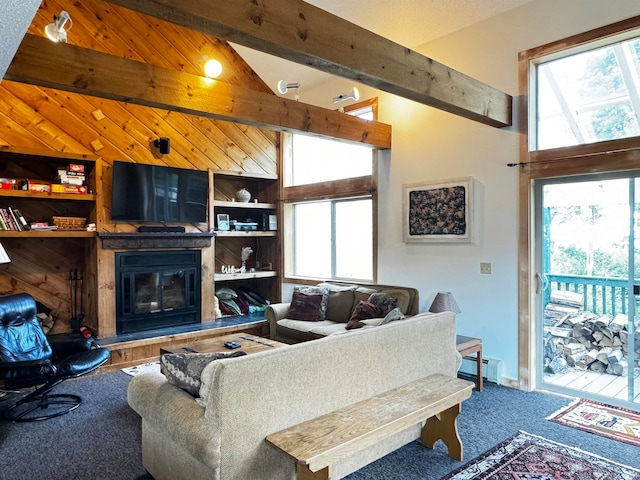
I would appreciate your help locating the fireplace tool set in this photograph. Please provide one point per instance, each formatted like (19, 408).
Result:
(75, 289)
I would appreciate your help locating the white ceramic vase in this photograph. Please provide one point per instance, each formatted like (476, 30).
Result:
(243, 195)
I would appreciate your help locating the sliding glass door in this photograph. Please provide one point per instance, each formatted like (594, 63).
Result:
(587, 340)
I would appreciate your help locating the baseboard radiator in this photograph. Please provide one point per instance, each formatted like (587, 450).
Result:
(491, 368)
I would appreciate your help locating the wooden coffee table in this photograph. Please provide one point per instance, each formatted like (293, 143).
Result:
(250, 344)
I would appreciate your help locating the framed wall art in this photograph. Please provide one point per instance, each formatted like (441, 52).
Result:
(439, 211)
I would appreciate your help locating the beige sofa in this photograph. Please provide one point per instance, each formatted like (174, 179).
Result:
(244, 399)
(343, 298)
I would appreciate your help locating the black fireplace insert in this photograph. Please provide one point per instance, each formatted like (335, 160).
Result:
(157, 289)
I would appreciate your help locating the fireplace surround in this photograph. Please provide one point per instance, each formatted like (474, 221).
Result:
(156, 289)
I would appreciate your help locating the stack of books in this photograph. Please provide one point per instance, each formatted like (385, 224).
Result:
(70, 179)
(12, 219)
(42, 226)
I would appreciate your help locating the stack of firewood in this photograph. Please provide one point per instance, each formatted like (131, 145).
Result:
(577, 338)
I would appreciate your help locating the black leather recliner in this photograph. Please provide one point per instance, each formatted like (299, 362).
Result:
(27, 359)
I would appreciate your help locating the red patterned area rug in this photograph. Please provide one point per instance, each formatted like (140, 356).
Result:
(526, 456)
(594, 417)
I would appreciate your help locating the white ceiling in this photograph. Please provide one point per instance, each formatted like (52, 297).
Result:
(408, 22)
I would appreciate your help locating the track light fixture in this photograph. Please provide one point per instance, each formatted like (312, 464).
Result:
(353, 94)
(284, 87)
(55, 31)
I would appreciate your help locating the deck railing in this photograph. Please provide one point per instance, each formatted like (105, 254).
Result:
(601, 294)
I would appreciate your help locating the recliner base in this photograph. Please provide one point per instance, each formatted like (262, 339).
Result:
(32, 407)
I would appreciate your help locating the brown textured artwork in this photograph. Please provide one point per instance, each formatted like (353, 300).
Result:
(438, 212)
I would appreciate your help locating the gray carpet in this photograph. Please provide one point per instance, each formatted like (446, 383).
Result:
(101, 439)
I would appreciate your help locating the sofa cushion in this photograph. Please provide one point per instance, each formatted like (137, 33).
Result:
(305, 306)
(324, 292)
(384, 302)
(301, 330)
(363, 311)
(303, 326)
(340, 302)
(184, 369)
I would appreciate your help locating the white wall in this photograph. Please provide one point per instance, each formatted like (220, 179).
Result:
(429, 144)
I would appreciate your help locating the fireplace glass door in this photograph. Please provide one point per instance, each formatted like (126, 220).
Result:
(157, 289)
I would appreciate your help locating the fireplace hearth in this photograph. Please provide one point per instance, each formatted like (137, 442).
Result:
(157, 289)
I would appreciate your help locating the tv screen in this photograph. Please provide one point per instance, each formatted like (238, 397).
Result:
(153, 193)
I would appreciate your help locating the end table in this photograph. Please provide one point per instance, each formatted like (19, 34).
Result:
(467, 346)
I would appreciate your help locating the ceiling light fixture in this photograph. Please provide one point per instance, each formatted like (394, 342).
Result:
(284, 87)
(212, 68)
(55, 31)
(353, 94)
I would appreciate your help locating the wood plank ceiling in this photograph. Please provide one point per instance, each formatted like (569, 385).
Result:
(48, 119)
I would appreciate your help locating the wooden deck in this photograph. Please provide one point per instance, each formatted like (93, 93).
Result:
(603, 384)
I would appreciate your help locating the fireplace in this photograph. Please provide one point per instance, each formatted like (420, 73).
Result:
(157, 289)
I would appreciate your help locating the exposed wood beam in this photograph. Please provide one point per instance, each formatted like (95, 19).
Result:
(80, 70)
(302, 33)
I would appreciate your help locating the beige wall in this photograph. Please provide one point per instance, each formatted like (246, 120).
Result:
(430, 145)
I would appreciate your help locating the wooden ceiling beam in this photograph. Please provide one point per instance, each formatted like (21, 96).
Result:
(80, 70)
(299, 32)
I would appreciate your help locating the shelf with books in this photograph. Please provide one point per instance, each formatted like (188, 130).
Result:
(48, 233)
(35, 177)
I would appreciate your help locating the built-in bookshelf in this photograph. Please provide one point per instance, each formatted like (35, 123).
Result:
(251, 224)
(20, 169)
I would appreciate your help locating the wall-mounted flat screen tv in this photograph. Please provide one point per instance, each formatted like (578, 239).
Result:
(154, 193)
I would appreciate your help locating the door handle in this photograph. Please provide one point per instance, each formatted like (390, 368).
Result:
(542, 282)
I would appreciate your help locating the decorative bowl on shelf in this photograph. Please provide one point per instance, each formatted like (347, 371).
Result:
(243, 195)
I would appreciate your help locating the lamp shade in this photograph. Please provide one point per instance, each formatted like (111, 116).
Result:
(4, 258)
(444, 302)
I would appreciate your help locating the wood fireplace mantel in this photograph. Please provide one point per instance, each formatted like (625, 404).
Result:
(143, 240)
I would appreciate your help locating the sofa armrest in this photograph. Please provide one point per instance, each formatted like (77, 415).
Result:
(275, 312)
(176, 414)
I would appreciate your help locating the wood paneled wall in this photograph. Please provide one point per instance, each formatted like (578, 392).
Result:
(43, 119)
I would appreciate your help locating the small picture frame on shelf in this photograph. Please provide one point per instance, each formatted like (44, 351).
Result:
(222, 219)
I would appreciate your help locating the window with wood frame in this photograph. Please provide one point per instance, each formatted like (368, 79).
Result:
(329, 206)
(588, 93)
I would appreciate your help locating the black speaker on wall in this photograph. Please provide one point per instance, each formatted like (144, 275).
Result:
(163, 144)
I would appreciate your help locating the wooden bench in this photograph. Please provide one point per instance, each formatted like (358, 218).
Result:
(317, 444)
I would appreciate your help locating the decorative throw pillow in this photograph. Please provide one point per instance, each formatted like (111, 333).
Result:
(319, 291)
(340, 302)
(226, 293)
(305, 306)
(362, 311)
(383, 301)
(393, 315)
(184, 369)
